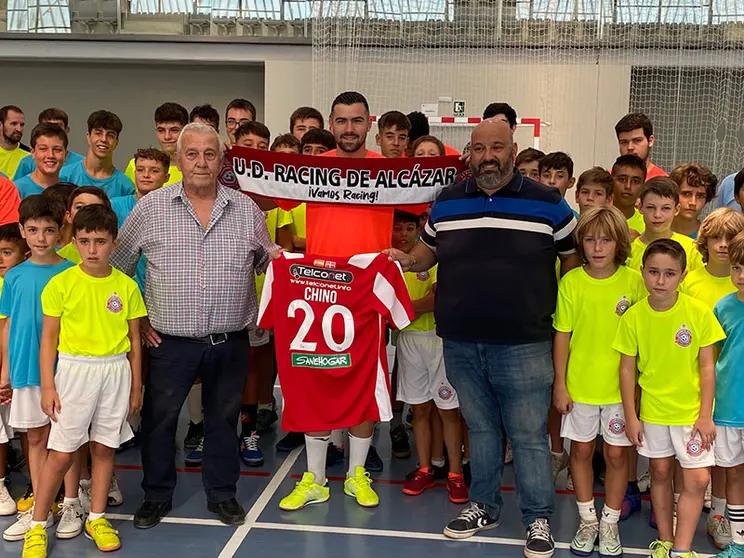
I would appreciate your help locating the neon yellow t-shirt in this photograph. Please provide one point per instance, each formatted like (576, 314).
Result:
(419, 285)
(9, 160)
(175, 174)
(298, 219)
(667, 345)
(694, 258)
(636, 222)
(706, 288)
(94, 311)
(70, 252)
(275, 220)
(590, 309)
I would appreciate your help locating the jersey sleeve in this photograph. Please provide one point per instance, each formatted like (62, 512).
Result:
(266, 307)
(711, 331)
(429, 234)
(563, 228)
(136, 304)
(391, 296)
(52, 298)
(283, 218)
(564, 307)
(626, 337)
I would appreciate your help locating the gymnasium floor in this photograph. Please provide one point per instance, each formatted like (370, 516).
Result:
(402, 526)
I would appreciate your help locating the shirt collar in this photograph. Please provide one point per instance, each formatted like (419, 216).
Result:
(515, 184)
(221, 201)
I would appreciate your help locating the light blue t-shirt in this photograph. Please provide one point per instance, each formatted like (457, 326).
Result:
(26, 186)
(729, 410)
(21, 302)
(123, 206)
(118, 184)
(28, 165)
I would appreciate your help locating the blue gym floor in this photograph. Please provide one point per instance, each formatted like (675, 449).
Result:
(402, 526)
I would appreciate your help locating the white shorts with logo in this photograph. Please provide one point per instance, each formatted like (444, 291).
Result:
(6, 431)
(661, 441)
(25, 409)
(421, 373)
(94, 394)
(729, 448)
(585, 422)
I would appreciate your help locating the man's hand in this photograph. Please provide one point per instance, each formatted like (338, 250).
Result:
(634, 431)
(704, 428)
(50, 403)
(562, 400)
(150, 337)
(276, 254)
(405, 260)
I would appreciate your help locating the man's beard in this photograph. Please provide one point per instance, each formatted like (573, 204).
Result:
(493, 178)
(359, 142)
(12, 139)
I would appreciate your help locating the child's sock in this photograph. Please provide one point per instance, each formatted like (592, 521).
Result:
(35, 523)
(317, 450)
(587, 511)
(93, 516)
(609, 515)
(438, 462)
(71, 500)
(358, 449)
(633, 487)
(557, 453)
(337, 438)
(717, 506)
(247, 419)
(736, 517)
(676, 553)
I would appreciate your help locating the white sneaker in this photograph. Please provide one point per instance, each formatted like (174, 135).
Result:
(560, 462)
(569, 482)
(115, 497)
(719, 529)
(609, 539)
(72, 521)
(585, 538)
(644, 482)
(17, 531)
(708, 496)
(84, 494)
(7, 504)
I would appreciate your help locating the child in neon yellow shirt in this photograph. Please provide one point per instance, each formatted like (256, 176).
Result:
(670, 337)
(591, 300)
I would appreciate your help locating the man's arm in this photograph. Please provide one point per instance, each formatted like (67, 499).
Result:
(135, 363)
(130, 238)
(421, 258)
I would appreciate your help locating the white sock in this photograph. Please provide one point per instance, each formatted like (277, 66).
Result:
(71, 500)
(437, 462)
(557, 453)
(2, 480)
(93, 516)
(736, 517)
(587, 511)
(609, 515)
(85, 482)
(317, 450)
(678, 553)
(194, 404)
(35, 523)
(337, 437)
(358, 449)
(717, 507)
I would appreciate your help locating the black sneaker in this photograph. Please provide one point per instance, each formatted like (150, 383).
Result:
(194, 434)
(540, 542)
(291, 441)
(265, 418)
(16, 460)
(373, 464)
(471, 520)
(399, 441)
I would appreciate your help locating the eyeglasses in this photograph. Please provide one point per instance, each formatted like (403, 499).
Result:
(232, 123)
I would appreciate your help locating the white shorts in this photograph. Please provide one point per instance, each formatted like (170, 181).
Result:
(661, 441)
(25, 409)
(257, 340)
(6, 431)
(729, 448)
(94, 394)
(421, 373)
(585, 422)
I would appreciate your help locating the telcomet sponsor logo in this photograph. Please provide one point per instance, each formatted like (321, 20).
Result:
(321, 361)
(301, 271)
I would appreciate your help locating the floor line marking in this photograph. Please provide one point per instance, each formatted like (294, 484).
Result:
(172, 520)
(241, 532)
(419, 535)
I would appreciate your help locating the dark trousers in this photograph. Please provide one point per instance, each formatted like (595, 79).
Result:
(173, 367)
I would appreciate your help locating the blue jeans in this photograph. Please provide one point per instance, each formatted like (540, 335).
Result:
(506, 388)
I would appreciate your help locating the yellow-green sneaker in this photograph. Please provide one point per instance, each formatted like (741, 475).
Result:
(360, 487)
(305, 492)
(35, 543)
(101, 532)
(660, 549)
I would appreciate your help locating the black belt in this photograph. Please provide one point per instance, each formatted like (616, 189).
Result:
(213, 338)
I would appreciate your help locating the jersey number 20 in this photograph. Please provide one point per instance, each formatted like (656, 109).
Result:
(299, 343)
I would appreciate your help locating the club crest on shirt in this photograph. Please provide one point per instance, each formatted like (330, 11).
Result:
(683, 337)
(422, 276)
(622, 305)
(114, 304)
(444, 393)
(694, 447)
(616, 426)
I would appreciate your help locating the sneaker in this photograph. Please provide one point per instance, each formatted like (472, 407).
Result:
(194, 434)
(585, 538)
(719, 529)
(58, 501)
(660, 549)
(408, 419)
(458, 490)
(265, 418)
(508, 457)
(250, 453)
(609, 540)
(72, 521)
(35, 543)
(708, 497)
(101, 532)
(732, 551)
(334, 455)
(421, 480)
(7, 504)
(26, 502)
(360, 487)
(85, 495)
(18, 530)
(631, 504)
(305, 492)
(115, 497)
(540, 542)
(569, 482)
(644, 482)
(373, 462)
(290, 441)
(560, 463)
(401, 447)
(195, 456)
(471, 520)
